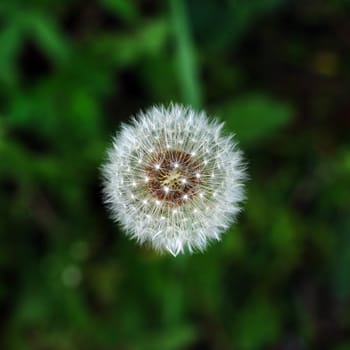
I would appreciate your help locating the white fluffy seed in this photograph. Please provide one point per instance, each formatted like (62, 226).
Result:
(178, 180)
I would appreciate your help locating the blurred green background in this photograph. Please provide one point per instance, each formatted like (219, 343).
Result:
(277, 72)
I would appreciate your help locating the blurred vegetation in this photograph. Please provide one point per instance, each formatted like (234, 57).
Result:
(277, 72)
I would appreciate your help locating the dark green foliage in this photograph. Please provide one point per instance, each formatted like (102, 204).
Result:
(277, 72)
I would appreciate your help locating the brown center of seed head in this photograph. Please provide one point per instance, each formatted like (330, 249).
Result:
(174, 177)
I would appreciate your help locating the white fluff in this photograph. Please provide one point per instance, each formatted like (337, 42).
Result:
(214, 189)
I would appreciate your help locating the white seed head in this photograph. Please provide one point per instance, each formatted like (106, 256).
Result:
(173, 180)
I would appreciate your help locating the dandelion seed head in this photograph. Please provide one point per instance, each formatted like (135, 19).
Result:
(165, 171)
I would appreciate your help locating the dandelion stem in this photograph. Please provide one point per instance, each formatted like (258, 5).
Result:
(185, 55)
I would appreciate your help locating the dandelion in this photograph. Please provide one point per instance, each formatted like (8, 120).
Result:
(173, 180)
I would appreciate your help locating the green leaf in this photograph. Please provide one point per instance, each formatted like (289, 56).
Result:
(255, 117)
(10, 40)
(126, 9)
(125, 49)
(47, 34)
